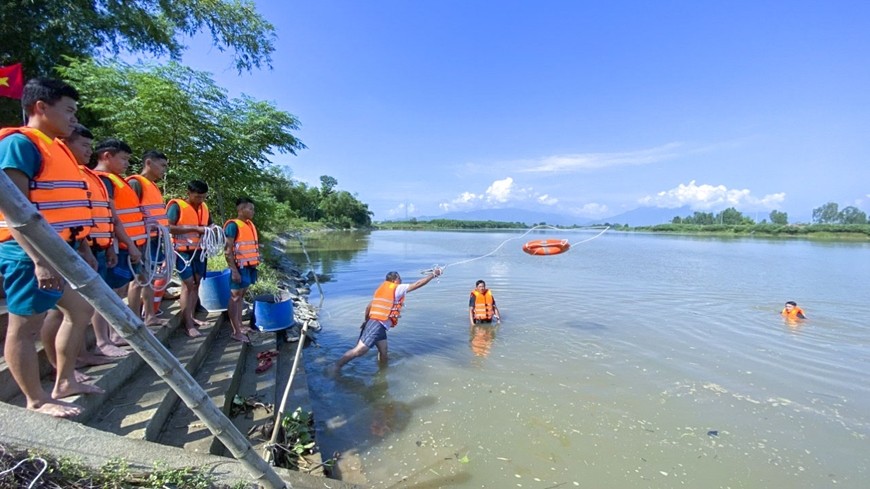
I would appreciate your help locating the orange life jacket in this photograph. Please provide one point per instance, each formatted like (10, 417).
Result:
(151, 203)
(188, 216)
(796, 313)
(384, 304)
(103, 231)
(483, 305)
(58, 189)
(246, 245)
(127, 208)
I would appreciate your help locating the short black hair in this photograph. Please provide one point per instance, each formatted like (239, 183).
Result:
(48, 90)
(392, 276)
(791, 303)
(154, 155)
(480, 282)
(197, 187)
(80, 131)
(243, 200)
(112, 146)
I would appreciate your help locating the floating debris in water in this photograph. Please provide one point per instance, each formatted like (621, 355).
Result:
(713, 433)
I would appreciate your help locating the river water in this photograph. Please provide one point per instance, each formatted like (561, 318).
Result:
(630, 361)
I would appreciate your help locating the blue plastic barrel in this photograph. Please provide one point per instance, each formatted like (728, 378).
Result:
(214, 291)
(273, 312)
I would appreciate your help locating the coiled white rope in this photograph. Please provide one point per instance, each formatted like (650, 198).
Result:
(534, 228)
(212, 243)
(38, 476)
(157, 272)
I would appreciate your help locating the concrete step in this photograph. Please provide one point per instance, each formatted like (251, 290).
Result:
(9, 391)
(141, 408)
(110, 377)
(219, 376)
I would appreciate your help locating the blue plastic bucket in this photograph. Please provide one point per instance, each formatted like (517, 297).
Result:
(273, 312)
(214, 291)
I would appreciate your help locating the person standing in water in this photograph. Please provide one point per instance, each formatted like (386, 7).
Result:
(792, 311)
(383, 310)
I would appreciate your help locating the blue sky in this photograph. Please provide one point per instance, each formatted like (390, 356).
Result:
(589, 108)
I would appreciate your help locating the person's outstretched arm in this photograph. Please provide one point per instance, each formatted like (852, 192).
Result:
(425, 280)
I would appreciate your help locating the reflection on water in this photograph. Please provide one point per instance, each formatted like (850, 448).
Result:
(613, 364)
(482, 336)
(329, 248)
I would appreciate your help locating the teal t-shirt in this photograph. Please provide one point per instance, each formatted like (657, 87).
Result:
(173, 212)
(19, 153)
(232, 230)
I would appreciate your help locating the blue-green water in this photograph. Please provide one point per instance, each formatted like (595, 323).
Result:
(630, 361)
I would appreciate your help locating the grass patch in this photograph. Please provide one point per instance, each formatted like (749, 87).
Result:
(23, 468)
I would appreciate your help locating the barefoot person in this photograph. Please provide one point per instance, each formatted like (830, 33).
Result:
(243, 255)
(47, 175)
(154, 165)
(188, 219)
(383, 310)
(112, 160)
(103, 255)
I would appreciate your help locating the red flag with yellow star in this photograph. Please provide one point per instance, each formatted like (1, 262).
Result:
(11, 81)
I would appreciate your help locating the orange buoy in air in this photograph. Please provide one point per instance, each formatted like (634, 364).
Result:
(546, 246)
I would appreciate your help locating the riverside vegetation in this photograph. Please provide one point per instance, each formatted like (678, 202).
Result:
(828, 223)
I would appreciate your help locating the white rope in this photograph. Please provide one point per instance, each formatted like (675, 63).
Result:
(152, 271)
(542, 226)
(35, 479)
(211, 243)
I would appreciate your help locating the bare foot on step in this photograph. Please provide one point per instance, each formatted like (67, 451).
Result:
(82, 377)
(58, 409)
(111, 350)
(192, 332)
(240, 337)
(66, 389)
(88, 359)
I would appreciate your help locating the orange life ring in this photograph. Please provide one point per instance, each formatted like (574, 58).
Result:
(546, 246)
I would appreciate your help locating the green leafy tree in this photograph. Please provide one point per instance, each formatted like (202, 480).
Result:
(852, 215)
(826, 214)
(327, 184)
(699, 218)
(39, 33)
(777, 217)
(732, 216)
(182, 112)
(342, 209)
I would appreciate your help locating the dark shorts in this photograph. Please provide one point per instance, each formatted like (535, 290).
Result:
(483, 321)
(23, 295)
(373, 332)
(156, 250)
(100, 256)
(119, 275)
(196, 266)
(249, 278)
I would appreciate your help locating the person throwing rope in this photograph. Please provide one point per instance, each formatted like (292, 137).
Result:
(383, 310)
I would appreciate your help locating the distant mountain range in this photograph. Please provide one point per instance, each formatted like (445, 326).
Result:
(647, 216)
(642, 216)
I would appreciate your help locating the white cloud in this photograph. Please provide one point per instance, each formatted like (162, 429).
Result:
(500, 190)
(497, 194)
(547, 200)
(705, 197)
(592, 209)
(594, 161)
(402, 210)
